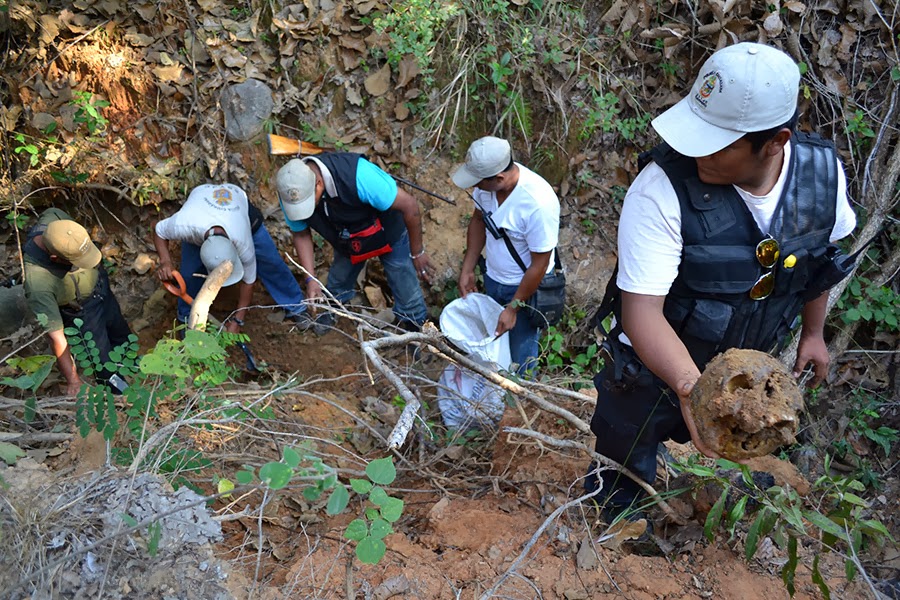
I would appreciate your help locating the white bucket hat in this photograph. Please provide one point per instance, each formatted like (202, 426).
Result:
(741, 88)
(215, 250)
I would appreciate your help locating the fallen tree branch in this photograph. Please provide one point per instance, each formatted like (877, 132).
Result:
(404, 424)
(33, 438)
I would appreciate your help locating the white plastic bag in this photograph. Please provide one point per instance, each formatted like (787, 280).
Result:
(468, 400)
(470, 323)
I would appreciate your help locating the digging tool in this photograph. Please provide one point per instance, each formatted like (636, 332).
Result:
(284, 145)
(181, 292)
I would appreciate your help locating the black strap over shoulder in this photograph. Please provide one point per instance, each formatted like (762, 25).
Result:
(557, 264)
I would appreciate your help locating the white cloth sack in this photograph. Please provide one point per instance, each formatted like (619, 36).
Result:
(466, 399)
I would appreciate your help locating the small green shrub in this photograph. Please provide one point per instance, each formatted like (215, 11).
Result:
(864, 301)
(833, 515)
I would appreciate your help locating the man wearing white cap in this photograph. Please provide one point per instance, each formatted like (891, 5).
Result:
(361, 212)
(724, 240)
(514, 202)
(218, 223)
(64, 281)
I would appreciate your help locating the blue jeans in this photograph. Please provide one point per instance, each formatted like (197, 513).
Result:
(275, 275)
(523, 337)
(409, 302)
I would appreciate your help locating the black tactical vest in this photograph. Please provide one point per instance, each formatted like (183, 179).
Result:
(709, 306)
(347, 211)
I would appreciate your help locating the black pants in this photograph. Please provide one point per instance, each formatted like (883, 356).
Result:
(630, 421)
(101, 316)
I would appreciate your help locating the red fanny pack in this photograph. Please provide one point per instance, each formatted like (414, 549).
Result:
(366, 243)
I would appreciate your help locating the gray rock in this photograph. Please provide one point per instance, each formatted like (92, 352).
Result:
(14, 312)
(246, 105)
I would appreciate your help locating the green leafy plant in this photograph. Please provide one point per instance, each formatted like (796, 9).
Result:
(31, 149)
(382, 510)
(88, 111)
(17, 220)
(862, 300)
(561, 353)
(35, 370)
(412, 27)
(863, 413)
(859, 129)
(833, 515)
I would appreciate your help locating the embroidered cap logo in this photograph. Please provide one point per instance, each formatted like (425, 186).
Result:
(222, 196)
(710, 82)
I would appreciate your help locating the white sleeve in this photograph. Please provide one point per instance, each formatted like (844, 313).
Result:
(844, 217)
(165, 229)
(542, 231)
(650, 241)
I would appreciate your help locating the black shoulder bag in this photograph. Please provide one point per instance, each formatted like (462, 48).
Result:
(548, 302)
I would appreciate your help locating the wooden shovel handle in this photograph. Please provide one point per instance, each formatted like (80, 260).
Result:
(284, 145)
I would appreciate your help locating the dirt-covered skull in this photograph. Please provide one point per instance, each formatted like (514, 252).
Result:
(746, 404)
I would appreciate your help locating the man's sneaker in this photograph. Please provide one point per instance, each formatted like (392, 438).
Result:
(319, 325)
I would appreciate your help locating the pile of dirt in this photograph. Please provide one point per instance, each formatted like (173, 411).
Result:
(746, 404)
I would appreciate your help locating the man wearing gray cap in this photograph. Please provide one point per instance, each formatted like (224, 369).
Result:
(361, 212)
(521, 212)
(723, 242)
(218, 223)
(64, 281)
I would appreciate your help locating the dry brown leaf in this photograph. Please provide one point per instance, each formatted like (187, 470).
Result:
(621, 532)
(229, 56)
(9, 116)
(377, 83)
(147, 11)
(407, 70)
(350, 59)
(76, 23)
(401, 111)
(354, 97)
(835, 81)
(364, 8)
(848, 41)
(173, 73)
(49, 28)
(133, 37)
(358, 44)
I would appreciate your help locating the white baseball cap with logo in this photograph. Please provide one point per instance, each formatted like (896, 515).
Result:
(296, 185)
(742, 88)
(215, 250)
(487, 156)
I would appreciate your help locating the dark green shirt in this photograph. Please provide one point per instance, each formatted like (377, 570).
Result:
(49, 285)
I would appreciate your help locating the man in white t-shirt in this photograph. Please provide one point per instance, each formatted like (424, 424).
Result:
(509, 197)
(217, 223)
(723, 242)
